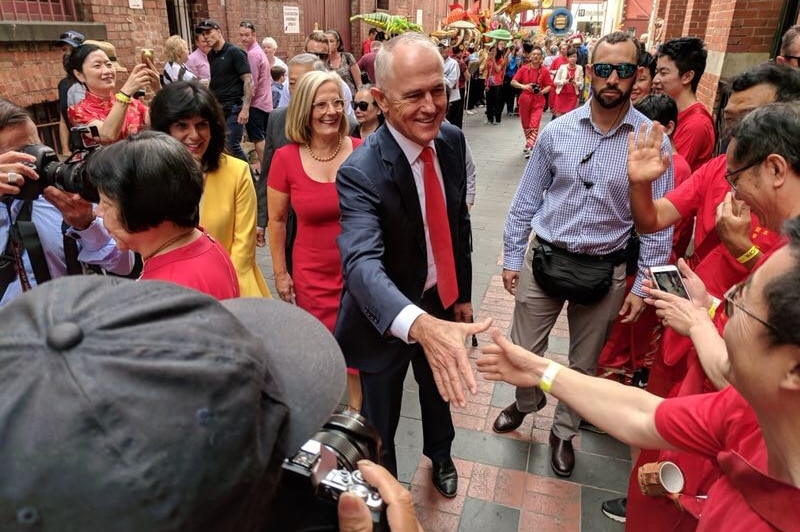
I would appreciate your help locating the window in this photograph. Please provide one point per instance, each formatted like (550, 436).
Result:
(46, 117)
(382, 4)
(37, 10)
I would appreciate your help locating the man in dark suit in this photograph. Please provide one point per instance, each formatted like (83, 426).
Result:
(399, 292)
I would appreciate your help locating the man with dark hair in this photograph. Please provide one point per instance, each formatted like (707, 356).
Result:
(681, 63)
(586, 220)
(68, 41)
(790, 47)
(261, 103)
(729, 241)
(231, 82)
(366, 46)
(32, 238)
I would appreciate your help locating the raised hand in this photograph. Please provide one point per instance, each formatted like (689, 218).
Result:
(645, 160)
(507, 362)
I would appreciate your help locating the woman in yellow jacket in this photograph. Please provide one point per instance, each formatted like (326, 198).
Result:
(189, 112)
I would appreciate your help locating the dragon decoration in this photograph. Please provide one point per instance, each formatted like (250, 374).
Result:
(462, 26)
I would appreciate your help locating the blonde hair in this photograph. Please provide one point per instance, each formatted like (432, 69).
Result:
(173, 48)
(298, 115)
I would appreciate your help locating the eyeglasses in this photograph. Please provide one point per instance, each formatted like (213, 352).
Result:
(337, 104)
(729, 177)
(793, 57)
(731, 298)
(248, 25)
(624, 70)
(322, 55)
(362, 106)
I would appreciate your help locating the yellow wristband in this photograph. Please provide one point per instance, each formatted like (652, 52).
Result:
(749, 254)
(712, 310)
(549, 375)
(122, 98)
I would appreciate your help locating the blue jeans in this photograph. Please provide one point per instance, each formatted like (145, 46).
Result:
(233, 133)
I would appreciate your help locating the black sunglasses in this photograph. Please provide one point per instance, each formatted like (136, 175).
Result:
(731, 299)
(248, 25)
(729, 176)
(794, 57)
(624, 70)
(362, 106)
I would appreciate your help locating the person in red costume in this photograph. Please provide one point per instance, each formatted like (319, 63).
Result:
(681, 63)
(747, 432)
(753, 149)
(534, 80)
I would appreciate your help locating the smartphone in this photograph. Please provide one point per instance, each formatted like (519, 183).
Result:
(668, 279)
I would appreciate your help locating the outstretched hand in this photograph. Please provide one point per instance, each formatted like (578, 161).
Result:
(645, 160)
(443, 344)
(505, 361)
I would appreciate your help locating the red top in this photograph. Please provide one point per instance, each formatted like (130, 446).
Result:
(316, 263)
(682, 230)
(201, 265)
(93, 108)
(365, 47)
(527, 74)
(699, 196)
(557, 62)
(723, 428)
(694, 136)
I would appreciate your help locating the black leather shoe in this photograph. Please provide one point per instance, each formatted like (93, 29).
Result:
(562, 456)
(445, 478)
(510, 418)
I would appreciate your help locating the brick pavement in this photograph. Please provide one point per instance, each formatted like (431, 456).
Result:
(505, 481)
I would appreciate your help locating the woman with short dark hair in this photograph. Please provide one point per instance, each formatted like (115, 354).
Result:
(189, 112)
(157, 217)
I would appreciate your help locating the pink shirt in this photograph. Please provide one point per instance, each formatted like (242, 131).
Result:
(262, 80)
(198, 64)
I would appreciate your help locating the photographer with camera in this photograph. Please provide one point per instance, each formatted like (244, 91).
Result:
(533, 80)
(159, 408)
(48, 236)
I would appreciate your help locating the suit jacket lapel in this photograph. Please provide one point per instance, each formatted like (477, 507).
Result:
(400, 170)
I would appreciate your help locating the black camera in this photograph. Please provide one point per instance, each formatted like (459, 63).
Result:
(69, 176)
(326, 466)
(535, 88)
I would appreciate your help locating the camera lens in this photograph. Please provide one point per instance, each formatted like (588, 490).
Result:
(351, 438)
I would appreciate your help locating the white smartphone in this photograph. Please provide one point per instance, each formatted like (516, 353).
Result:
(668, 279)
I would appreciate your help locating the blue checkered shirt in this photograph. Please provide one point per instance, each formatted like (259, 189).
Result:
(574, 193)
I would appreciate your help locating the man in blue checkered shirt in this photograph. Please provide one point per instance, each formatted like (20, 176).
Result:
(573, 195)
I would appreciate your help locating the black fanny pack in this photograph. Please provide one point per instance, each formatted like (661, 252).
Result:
(582, 279)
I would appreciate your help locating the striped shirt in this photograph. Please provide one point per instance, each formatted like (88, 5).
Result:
(574, 193)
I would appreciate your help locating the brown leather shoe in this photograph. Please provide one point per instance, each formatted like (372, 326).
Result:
(562, 456)
(510, 418)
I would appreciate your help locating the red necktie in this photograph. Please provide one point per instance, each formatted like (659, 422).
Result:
(439, 231)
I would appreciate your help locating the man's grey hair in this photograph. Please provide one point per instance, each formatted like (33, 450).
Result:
(383, 60)
(306, 59)
(788, 38)
(773, 128)
(270, 41)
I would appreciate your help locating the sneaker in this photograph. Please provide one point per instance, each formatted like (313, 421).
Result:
(615, 509)
(470, 112)
(527, 153)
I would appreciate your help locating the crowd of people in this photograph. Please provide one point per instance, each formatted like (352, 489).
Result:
(362, 189)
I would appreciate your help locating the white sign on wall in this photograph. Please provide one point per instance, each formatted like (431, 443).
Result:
(291, 19)
(136, 4)
(419, 17)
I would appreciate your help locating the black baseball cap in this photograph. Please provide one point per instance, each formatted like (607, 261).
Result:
(206, 25)
(142, 405)
(72, 38)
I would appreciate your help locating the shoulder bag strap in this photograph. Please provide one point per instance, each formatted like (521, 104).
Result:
(32, 244)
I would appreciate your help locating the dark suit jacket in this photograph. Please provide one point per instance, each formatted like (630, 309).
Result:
(382, 243)
(275, 138)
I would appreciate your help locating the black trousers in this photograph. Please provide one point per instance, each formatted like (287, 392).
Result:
(383, 397)
(494, 104)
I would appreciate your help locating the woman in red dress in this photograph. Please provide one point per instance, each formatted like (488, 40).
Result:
(533, 79)
(568, 83)
(303, 175)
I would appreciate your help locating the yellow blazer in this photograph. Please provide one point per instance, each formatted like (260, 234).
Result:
(228, 213)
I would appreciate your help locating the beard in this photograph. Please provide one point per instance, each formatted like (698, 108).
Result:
(614, 101)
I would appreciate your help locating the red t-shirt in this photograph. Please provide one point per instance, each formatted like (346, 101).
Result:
(694, 136)
(699, 196)
(365, 47)
(682, 231)
(527, 74)
(201, 265)
(557, 62)
(722, 427)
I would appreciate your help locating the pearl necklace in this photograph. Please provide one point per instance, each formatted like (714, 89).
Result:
(325, 159)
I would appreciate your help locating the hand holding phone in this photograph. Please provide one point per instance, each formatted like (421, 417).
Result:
(668, 279)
